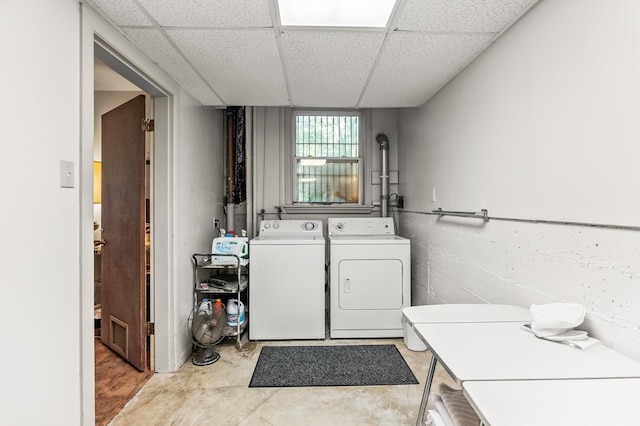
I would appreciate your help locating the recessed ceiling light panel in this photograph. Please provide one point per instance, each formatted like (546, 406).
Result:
(335, 13)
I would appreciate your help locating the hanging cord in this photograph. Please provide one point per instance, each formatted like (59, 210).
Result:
(278, 212)
(394, 211)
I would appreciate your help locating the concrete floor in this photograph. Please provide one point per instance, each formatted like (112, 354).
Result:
(218, 394)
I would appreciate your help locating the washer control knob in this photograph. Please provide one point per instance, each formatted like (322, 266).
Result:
(267, 225)
(309, 226)
(340, 225)
(276, 225)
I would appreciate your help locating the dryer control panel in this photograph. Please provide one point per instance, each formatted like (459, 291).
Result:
(290, 227)
(362, 226)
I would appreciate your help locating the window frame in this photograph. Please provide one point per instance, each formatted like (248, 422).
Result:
(292, 192)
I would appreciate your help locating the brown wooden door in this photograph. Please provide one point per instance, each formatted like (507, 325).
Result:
(123, 224)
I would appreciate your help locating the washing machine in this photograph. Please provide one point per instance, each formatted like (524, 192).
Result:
(369, 277)
(287, 281)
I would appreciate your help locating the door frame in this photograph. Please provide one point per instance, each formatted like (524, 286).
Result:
(101, 39)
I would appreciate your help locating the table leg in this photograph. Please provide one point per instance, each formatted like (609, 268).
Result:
(427, 389)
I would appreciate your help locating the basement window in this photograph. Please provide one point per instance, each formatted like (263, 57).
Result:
(328, 162)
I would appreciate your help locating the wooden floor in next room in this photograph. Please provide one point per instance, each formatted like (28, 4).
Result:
(116, 382)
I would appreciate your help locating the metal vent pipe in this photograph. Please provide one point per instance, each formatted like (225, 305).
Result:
(231, 172)
(383, 140)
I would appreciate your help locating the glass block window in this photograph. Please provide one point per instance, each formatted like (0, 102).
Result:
(327, 154)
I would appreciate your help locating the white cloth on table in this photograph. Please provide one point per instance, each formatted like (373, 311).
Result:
(552, 319)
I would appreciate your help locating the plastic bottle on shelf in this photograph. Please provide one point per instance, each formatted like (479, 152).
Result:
(218, 309)
(235, 312)
(205, 307)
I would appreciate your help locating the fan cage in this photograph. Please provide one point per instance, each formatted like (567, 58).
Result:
(205, 330)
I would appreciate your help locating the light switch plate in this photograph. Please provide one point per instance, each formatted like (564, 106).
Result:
(67, 176)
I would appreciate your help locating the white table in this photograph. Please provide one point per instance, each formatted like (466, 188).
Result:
(504, 351)
(458, 313)
(555, 402)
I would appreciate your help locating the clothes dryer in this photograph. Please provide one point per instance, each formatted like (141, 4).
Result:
(287, 281)
(369, 279)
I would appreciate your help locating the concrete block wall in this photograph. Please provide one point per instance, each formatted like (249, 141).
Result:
(470, 261)
(541, 130)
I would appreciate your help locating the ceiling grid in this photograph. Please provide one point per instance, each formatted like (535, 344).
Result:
(237, 53)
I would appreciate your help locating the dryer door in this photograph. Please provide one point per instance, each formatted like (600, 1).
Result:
(366, 284)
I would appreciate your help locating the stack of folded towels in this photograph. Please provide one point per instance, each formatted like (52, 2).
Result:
(451, 409)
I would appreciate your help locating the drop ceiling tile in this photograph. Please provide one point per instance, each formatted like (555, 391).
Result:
(161, 52)
(414, 66)
(243, 66)
(210, 13)
(234, 49)
(329, 69)
(122, 12)
(461, 15)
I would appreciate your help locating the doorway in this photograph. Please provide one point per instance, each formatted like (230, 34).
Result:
(99, 40)
(118, 374)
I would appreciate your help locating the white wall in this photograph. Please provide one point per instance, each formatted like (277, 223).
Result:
(198, 193)
(46, 306)
(269, 148)
(39, 126)
(543, 125)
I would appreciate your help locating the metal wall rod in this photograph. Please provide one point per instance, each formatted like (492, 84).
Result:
(482, 214)
(537, 221)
